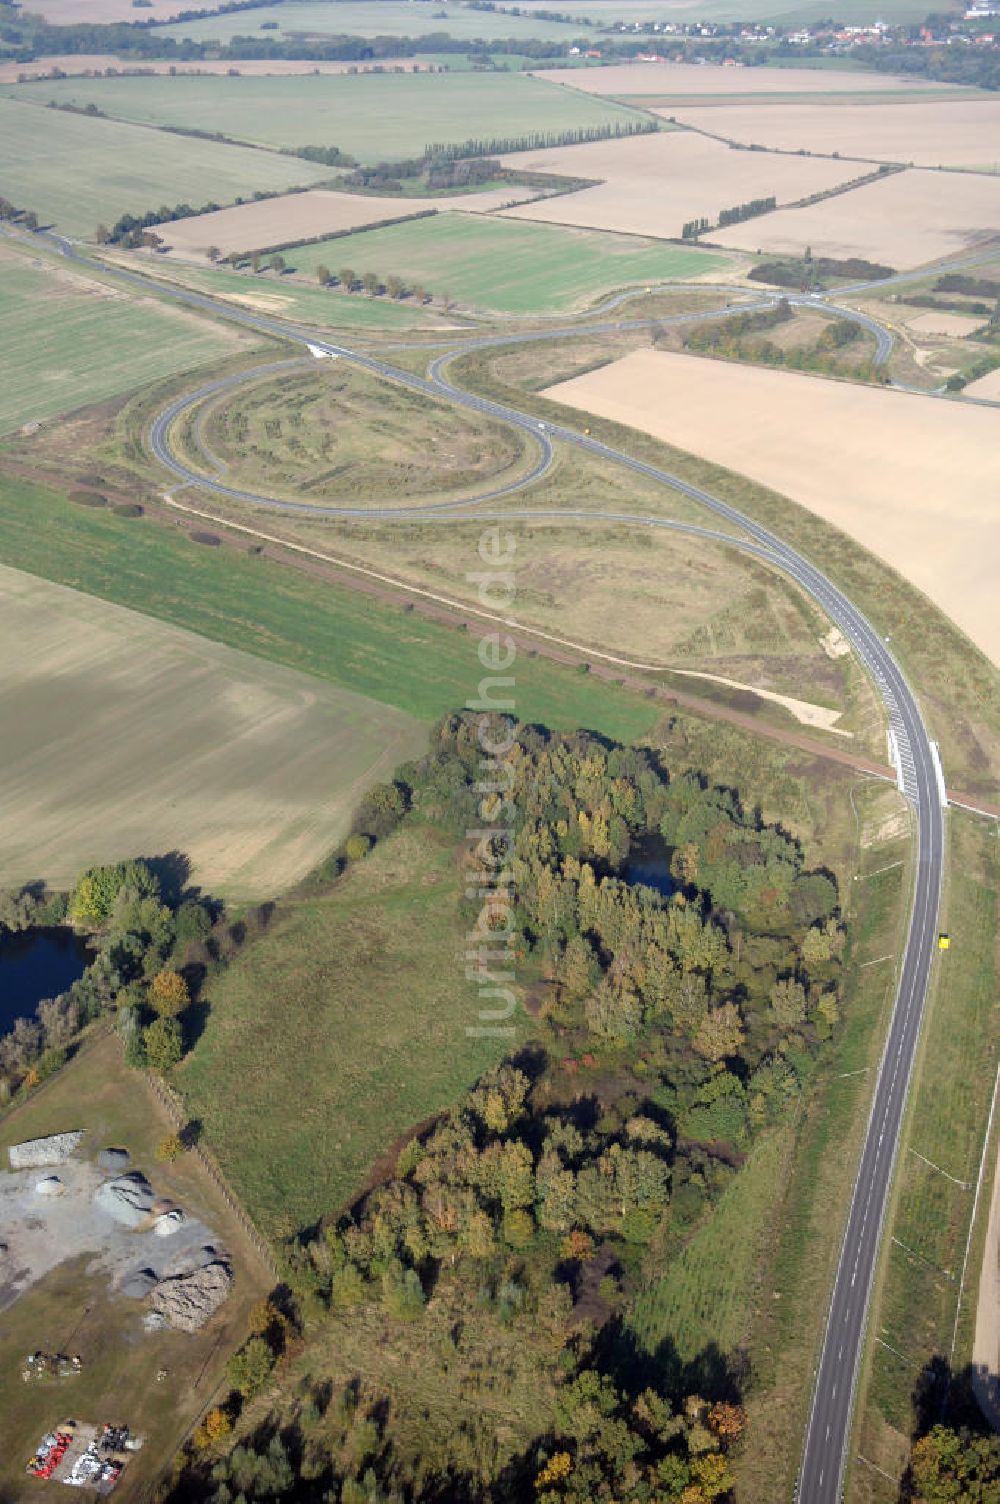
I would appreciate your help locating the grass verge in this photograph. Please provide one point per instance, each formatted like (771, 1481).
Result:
(290, 617)
(362, 995)
(915, 1301)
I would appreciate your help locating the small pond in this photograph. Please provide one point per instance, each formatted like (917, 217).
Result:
(35, 964)
(649, 863)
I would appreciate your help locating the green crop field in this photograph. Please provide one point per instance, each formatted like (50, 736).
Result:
(507, 266)
(70, 340)
(323, 308)
(376, 18)
(374, 1006)
(128, 736)
(351, 640)
(77, 172)
(372, 115)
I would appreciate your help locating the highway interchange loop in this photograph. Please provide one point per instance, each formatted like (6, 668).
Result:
(824, 1458)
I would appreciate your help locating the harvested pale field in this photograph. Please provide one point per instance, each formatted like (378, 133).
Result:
(951, 324)
(788, 13)
(931, 133)
(911, 479)
(651, 185)
(125, 736)
(686, 80)
(907, 219)
(88, 64)
(98, 12)
(987, 386)
(304, 216)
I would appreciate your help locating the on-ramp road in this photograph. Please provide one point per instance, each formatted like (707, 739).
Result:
(828, 1432)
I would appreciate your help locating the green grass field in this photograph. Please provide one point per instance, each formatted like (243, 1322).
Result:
(77, 172)
(340, 1028)
(703, 1298)
(316, 306)
(376, 18)
(70, 340)
(290, 618)
(128, 736)
(506, 266)
(371, 115)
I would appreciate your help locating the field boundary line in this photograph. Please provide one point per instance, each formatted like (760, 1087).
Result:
(173, 1105)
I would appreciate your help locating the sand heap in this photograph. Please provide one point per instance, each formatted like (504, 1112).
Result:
(128, 1199)
(34, 1153)
(186, 1301)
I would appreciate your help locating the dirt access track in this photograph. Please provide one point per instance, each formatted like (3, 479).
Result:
(911, 478)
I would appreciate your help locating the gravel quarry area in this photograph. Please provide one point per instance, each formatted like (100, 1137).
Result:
(145, 1246)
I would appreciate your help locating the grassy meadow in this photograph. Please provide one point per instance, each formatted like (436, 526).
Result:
(129, 736)
(280, 614)
(322, 308)
(374, 116)
(506, 266)
(77, 172)
(60, 329)
(375, 18)
(334, 434)
(361, 996)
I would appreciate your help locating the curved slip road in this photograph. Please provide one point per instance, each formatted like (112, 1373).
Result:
(828, 1432)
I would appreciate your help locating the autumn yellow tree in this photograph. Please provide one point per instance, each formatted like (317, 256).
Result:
(168, 994)
(721, 1033)
(169, 1148)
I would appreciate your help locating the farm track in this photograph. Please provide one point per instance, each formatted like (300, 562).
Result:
(828, 1432)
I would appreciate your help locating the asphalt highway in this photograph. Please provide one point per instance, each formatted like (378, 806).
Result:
(828, 1433)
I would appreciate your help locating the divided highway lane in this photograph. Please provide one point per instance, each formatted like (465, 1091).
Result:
(828, 1433)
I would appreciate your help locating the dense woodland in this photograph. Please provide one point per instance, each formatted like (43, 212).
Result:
(671, 1030)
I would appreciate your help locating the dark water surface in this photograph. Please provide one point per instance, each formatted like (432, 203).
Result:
(649, 863)
(35, 964)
